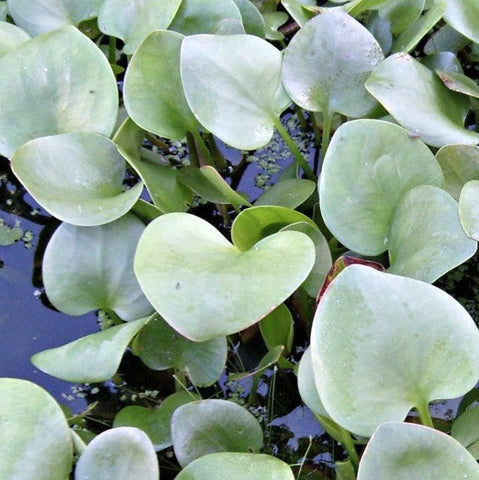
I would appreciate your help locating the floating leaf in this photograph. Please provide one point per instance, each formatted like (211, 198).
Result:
(155, 423)
(420, 102)
(179, 254)
(36, 441)
(44, 15)
(134, 20)
(160, 347)
(87, 268)
(289, 193)
(426, 238)
(252, 19)
(44, 94)
(256, 223)
(458, 82)
(327, 62)
(237, 466)
(164, 110)
(123, 453)
(401, 14)
(371, 330)
(11, 37)
(209, 426)
(76, 177)
(233, 86)
(403, 450)
(446, 61)
(94, 358)
(463, 16)
(368, 167)
(203, 16)
(469, 208)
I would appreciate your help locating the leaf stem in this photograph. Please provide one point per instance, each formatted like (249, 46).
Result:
(204, 156)
(327, 118)
(192, 150)
(298, 156)
(348, 444)
(425, 415)
(218, 158)
(112, 50)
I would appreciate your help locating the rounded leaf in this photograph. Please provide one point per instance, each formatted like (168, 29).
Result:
(469, 208)
(403, 450)
(209, 426)
(35, 438)
(11, 37)
(204, 287)
(87, 268)
(463, 16)
(368, 167)
(76, 177)
(123, 453)
(382, 344)
(233, 86)
(327, 62)
(43, 94)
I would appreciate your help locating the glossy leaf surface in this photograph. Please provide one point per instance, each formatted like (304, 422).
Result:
(463, 16)
(289, 193)
(44, 94)
(87, 268)
(469, 208)
(371, 330)
(233, 86)
(209, 426)
(179, 254)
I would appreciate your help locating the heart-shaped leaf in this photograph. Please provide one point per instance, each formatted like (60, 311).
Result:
(382, 344)
(160, 110)
(11, 37)
(36, 441)
(233, 86)
(469, 208)
(76, 177)
(160, 347)
(426, 238)
(73, 90)
(368, 167)
(203, 16)
(134, 20)
(236, 466)
(460, 164)
(209, 426)
(420, 102)
(327, 62)
(155, 423)
(123, 453)
(94, 358)
(463, 16)
(44, 15)
(204, 287)
(403, 450)
(87, 268)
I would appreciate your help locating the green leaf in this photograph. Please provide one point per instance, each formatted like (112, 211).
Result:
(403, 450)
(233, 86)
(76, 177)
(289, 193)
(203, 16)
(252, 19)
(254, 224)
(327, 62)
(94, 358)
(420, 102)
(469, 208)
(11, 37)
(460, 164)
(369, 166)
(297, 11)
(458, 82)
(277, 328)
(204, 287)
(401, 14)
(161, 180)
(371, 330)
(269, 359)
(155, 423)
(426, 238)
(73, 90)
(134, 20)
(465, 430)
(463, 16)
(36, 441)
(445, 39)
(123, 453)
(208, 426)
(446, 61)
(209, 184)
(272, 22)
(160, 347)
(41, 16)
(87, 268)
(164, 110)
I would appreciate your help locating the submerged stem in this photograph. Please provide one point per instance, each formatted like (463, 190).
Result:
(298, 156)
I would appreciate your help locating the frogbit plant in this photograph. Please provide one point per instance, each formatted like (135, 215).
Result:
(345, 246)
